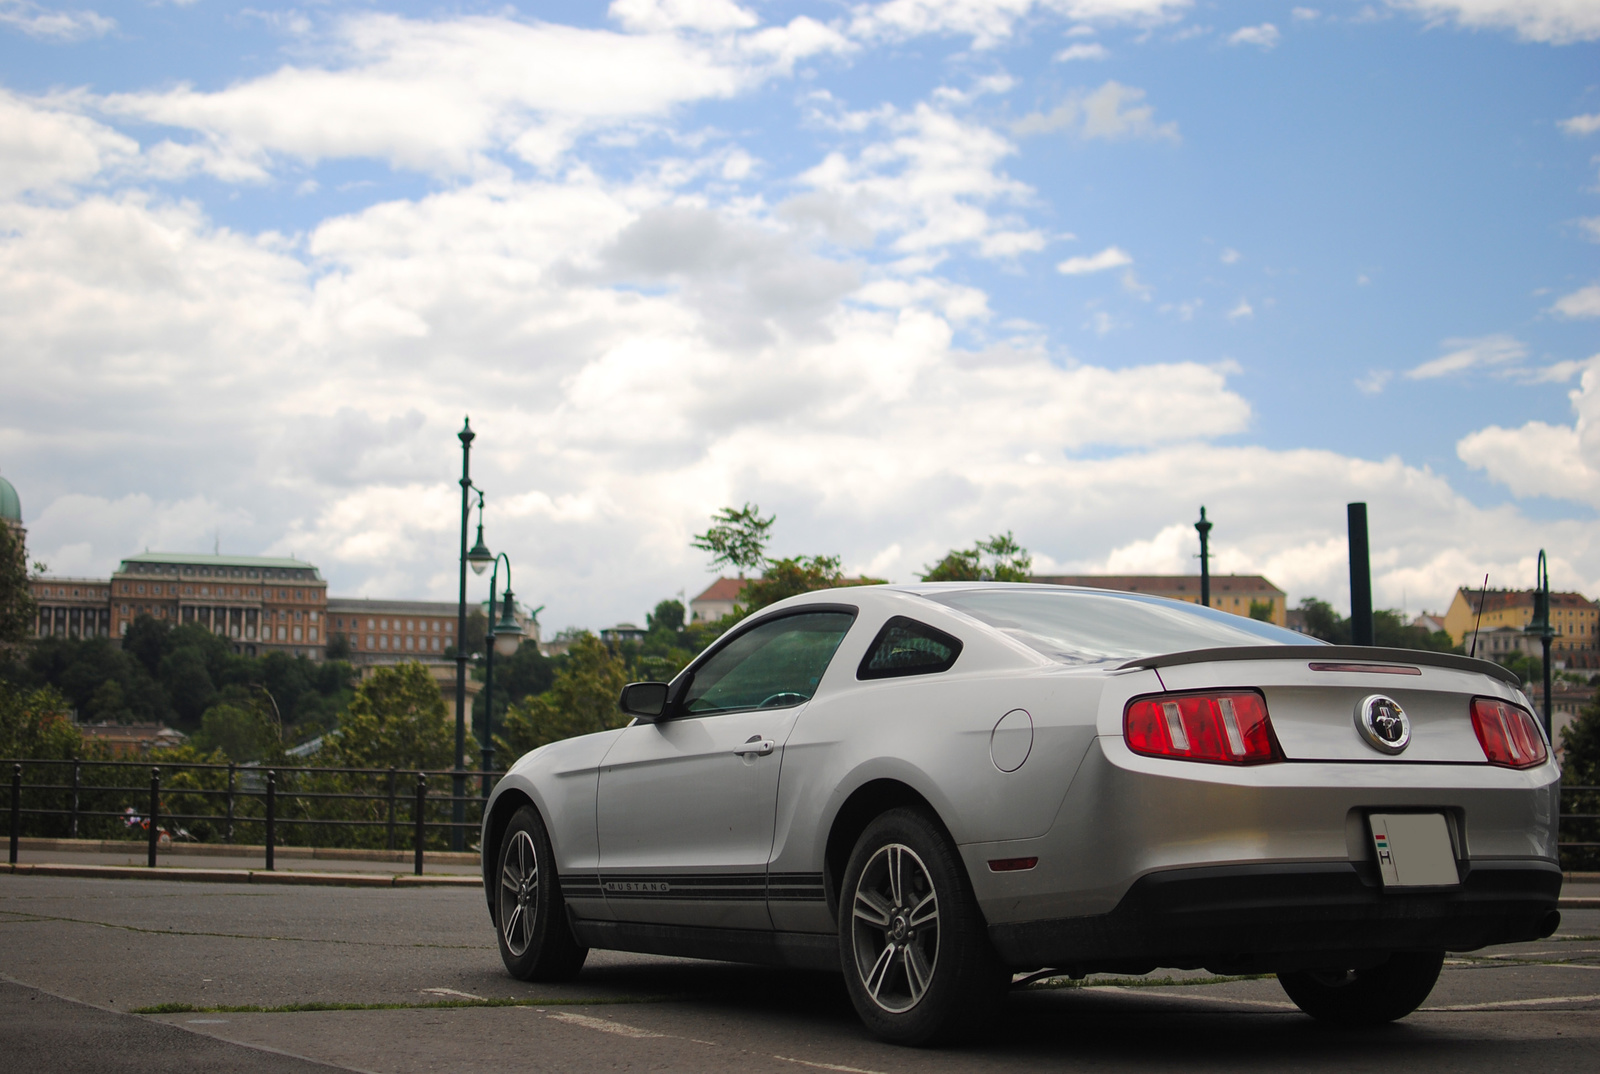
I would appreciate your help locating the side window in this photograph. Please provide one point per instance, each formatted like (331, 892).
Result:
(775, 665)
(907, 647)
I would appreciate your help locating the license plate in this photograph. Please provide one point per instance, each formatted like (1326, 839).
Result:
(1413, 850)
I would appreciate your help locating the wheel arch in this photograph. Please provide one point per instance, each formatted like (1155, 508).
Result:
(865, 803)
(501, 810)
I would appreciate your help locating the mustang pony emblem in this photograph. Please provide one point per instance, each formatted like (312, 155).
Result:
(1383, 724)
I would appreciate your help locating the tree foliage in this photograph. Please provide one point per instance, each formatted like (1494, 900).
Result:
(36, 724)
(397, 717)
(173, 675)
(581, 699)
(737, 538)
(242, 729)
(17, 609)
(998, 559)
(1389, 629)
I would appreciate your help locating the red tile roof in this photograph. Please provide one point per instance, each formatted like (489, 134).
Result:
(1165, 583)
(723, 589)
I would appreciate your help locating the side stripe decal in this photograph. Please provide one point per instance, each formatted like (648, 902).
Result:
(698, 887)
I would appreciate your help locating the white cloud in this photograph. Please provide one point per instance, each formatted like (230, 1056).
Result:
(1582, 303)
(443, 96)
(36, 20)
(1109, 258)
(1112, 112)
(1591, 227)
(1306, 14)
(989, 22)
(1242, 311)
(1229, 256)
(1265, 36)
(928, 183)
(1466, 354)
(1082, 51)
(1540, 459)
(47, 150)
(1557, 22)
(654, 16)
(1582, 124)
(1374, 382)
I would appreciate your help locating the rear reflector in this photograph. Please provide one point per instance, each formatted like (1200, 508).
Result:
(1012, 865)
(1508, 733)
(1221, 728)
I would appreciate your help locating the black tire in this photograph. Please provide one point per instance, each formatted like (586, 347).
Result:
(914, 947)
(1366, 997)
(536, 941)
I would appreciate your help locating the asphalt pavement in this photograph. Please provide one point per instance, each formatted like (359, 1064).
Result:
(107, 976)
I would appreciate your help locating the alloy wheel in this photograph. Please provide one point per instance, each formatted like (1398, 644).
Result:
(519, 892)
(895, 928)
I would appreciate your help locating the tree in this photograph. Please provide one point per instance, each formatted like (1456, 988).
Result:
(998, 559)
(147, 640)
(397, 717)
(1261, 610)
(791, 577)
(36, 724)
(667, 616)
(1321, 621)
(737, 538)
(243, 731)
(582, 699)
(338, 647)
(17, 609)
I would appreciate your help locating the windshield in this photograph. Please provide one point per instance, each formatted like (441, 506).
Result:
(1079, 626)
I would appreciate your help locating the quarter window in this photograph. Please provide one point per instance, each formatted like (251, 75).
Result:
(774, 665)
(907, 647)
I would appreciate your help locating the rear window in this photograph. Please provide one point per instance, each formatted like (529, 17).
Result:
(1078, 626)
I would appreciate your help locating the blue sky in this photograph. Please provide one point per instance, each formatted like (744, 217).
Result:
(906, 273)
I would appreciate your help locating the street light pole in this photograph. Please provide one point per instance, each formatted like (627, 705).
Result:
(503, 637)
(1541, 627)
(1204, 529)
(478, 558)
(458, 813)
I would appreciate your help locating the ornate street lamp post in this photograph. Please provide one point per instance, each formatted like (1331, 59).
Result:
(1540, 628)
(503, 638)
(478, 558)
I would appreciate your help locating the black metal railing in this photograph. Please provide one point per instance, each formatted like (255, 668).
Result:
(1580, 829)
(268, 806)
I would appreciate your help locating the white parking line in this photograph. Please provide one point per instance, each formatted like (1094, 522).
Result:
(604, 1025)
(1165, 994)
(828, 1066)
(1507, 1003)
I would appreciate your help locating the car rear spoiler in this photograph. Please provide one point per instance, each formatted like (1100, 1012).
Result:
(1350, 654)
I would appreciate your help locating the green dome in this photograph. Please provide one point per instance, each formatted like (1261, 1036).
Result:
(10, 505)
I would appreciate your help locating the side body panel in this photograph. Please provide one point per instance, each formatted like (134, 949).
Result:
(685, 824)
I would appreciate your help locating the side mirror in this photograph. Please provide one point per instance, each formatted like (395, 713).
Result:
(644, 701)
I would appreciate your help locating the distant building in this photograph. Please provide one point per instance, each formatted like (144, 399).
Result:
(389, 631)
(261, 604)
(1574, 617)
(1429, 621)
(622, 632)
(11, 508)
(71, 607)
(1234, 593)
(132, 739)
(1496, 643)
(717, 600)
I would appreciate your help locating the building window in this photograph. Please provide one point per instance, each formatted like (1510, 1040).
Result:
(283, 633)
(435, 644)
(313, 633)
(383, 641)
(436, 627)
(141, 590)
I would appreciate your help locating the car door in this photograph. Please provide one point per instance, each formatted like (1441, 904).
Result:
(686, 805)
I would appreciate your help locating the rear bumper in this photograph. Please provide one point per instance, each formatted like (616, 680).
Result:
(1264, 918)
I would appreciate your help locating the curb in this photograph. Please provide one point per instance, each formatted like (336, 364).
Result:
(1578, 902)
(245, 876)
(244, 850)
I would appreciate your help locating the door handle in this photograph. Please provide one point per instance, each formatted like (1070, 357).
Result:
(757, 746)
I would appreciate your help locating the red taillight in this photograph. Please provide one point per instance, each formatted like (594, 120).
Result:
(1507, 733)
(1222, 728)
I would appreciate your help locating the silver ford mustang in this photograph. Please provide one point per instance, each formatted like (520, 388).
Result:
(934, 788)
